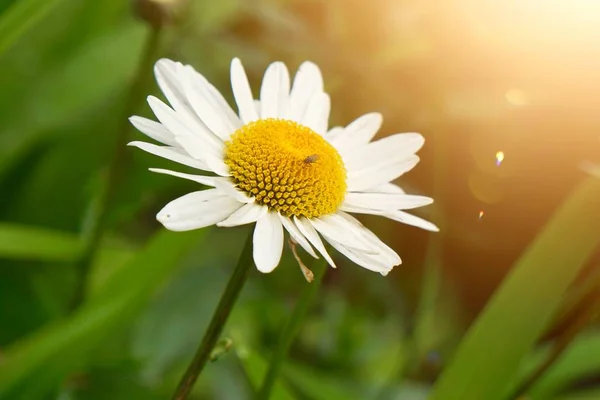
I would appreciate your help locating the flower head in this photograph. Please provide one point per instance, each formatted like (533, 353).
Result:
(275, 163)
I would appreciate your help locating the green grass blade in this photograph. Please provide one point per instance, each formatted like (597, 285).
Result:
(63, 346)
(577, 362)
(593, 394)
(489, 355)
(31, 243)
(256, 368)
(321, 386)
(23, 242)
(19, 17)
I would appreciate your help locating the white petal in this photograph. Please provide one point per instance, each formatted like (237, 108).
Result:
(169, 76)
(205, 105)
(317, 113)
(359, 132)
(204, 180)
(385, 201)
(410, 219)
(153, 130)
(334, 134)
(311, 234)
(202, 146)
(393, 147)
(228, 187)
(307, 82)
(173, 79)
(197, 210)
(385, 188)
(383, 249)
(297, 235)
(342, 230)
(257, 106)
(242, 92)
(367, 261)
(247, 214)
(170, 153)
(206, 142)
(197, 149)
(275, 91)
(268, 242)
(359, 180)
(219, 100)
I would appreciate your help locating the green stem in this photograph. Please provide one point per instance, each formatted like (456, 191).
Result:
(96, 215)
(219, 318)
(290, 330)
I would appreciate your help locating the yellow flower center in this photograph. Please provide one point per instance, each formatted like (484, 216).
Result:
(287, 167)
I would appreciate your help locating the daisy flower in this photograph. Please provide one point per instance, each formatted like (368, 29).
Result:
(277, 164)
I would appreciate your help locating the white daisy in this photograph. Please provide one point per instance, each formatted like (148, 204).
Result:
(277, 164)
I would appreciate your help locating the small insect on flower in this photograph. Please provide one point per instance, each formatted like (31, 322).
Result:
(313, 158)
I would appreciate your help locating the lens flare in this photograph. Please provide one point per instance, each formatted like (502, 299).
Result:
(499, 158)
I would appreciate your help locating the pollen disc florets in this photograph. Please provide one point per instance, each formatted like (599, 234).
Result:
(287, 167)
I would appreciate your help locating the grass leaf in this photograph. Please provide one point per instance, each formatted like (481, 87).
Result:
(31, 243)
(256, 368)
(575, 363)
(489, 355)
(19, 17)
(65, 345)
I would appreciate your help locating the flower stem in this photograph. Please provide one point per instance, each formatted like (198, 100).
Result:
(95, 223)
(290, 330)
(219, 318)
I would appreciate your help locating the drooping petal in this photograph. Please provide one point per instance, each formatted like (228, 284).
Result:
(297, 235)
(311, 234)
(197, 210)
(307, 82)
(368, 261)
(170, 153)
(383, 249)
(242, 92)
(247, 214)
(153, 130)
(410, 219)
(204, 180)
(267, 242)
(275, 91)
(343, 231)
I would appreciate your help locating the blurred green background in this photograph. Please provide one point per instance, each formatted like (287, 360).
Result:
(475, 78)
